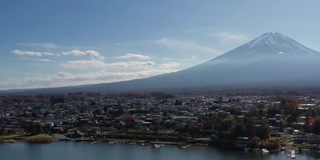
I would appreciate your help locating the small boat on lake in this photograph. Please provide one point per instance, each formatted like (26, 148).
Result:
(185, 146)
(95, 142)
(157, 145)
(263, 150)
(112, 142)
(293, 154)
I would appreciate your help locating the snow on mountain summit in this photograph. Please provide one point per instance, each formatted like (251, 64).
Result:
(269, 44)
(279, 43)
(268, 39)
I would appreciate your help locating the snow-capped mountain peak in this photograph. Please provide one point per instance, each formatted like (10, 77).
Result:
(268, 39)
(269, 44)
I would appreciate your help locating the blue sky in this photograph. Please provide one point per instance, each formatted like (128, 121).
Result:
(50, 43)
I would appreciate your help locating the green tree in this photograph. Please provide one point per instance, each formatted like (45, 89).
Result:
(120, 111)
(317, 126)
(155, 126)
(250, 125)
(274, 110)
(240, 130)
(263, 131)
(34, 128)
(98, 111)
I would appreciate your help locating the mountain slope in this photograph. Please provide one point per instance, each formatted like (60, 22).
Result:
(271, 59)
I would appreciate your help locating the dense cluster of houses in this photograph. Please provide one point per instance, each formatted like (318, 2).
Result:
(98, 114)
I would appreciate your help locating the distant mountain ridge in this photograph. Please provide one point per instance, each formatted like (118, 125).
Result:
(269, 61)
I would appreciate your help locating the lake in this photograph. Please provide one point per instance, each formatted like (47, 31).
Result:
(86, 151)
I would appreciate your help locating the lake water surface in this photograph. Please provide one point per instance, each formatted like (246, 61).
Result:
(104, 151)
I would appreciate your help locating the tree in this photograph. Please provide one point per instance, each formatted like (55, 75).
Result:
(317, 126)
(34, 115)
(290, 107)
(310, 124)
(178, 102)
(282, 124)
(232, 110)
(56, 99)
(254, 142)
(225, 129)
(263, 131)
(98, 111)
(129, 120)
(207, 125)
(240, 130)
(34, 128)
(78, 96)
(273, 111)
(250, 125)
(120, 111)
(2, 130)
(156, 126)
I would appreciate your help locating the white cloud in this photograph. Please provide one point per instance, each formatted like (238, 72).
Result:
(84, 64)
(187, 46)
(63, 74)
(92, 72)
(92, 53)
(38, 59)
(226, 37)
(134, 56)
(67, 79)
(26, 53)
(132, 64)
(88, 64)
(48, 53)
(169, 65)
(31, 53)
(76, 52)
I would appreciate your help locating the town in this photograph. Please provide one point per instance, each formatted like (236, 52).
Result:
(271, 122)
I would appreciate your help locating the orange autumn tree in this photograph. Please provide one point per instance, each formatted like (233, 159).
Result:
(310, 122)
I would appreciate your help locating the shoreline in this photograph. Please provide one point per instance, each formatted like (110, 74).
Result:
(110, 140)
(155, 144)
(130, 141)
(143, 142)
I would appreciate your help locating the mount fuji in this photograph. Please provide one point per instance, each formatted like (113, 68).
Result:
(269, 61)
